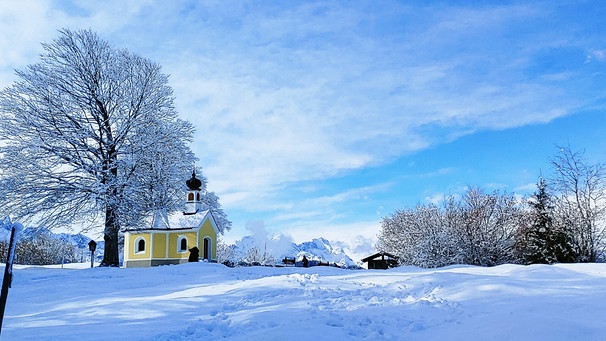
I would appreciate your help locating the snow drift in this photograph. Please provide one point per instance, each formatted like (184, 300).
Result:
(198, 301)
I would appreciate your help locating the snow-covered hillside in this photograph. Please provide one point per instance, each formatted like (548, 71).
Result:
(199, 301)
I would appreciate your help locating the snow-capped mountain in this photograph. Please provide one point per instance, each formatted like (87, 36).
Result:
(5, 229)
(320, 250)
(274, 250)
(78, 240)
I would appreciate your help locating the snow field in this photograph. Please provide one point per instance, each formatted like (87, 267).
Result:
(199, 301)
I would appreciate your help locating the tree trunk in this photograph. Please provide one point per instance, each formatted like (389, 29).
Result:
(111, 255)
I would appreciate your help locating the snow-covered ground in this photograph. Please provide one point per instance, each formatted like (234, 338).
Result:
(200, 301)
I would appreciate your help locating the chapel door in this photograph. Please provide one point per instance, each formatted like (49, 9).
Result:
(206, 249)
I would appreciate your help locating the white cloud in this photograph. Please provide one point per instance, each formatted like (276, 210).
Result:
(353, 193)
(357, 239)
(528, 188)
(436, 198)
(287, 92)
(29, 23)
(595, 54)
(293, 93)
(25, 24)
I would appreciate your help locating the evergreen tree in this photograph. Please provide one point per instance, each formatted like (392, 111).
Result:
(542, 241)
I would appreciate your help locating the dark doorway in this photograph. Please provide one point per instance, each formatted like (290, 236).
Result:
(206, 249)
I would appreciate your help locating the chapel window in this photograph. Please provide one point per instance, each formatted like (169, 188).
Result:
(182, 244)
(140, 245)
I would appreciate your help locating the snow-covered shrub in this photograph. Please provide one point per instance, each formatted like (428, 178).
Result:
(43, 250)
(226, 254)
(422, 236)
(478, 229)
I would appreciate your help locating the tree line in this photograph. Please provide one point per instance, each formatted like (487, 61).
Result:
(44, 249)
(563, 221)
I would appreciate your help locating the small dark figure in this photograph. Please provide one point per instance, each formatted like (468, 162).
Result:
(305, 261)
(194, 254)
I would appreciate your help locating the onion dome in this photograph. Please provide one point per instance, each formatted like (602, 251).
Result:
(193, 183)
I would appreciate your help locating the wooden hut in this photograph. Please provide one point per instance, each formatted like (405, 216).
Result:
(381, 260)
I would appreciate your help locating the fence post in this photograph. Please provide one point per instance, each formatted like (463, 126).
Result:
(8, 269)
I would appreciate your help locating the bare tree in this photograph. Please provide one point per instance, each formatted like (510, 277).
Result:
(424, 236)
(581, 202)
(86, 133)
(490, 222)
(478, 228)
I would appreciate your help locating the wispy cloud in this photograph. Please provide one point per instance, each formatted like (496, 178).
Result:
(283, 93)
(595, 55)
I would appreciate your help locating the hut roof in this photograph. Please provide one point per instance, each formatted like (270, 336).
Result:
(381, 254)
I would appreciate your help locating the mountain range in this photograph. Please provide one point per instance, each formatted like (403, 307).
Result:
(318, 250)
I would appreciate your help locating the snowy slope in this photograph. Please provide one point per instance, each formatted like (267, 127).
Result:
(199, 301)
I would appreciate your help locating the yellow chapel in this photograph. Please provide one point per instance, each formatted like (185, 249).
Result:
(170, 237)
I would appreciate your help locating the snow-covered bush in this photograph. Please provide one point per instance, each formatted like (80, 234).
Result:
(478, 229)
(226, 253)
(43, 250)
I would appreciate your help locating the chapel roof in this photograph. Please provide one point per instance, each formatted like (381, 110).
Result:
(175, 221)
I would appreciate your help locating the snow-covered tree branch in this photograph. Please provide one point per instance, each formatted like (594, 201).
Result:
(477, 229)
(581, 204)
(91, 133)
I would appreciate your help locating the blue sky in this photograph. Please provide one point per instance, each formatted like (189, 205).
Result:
(318, 118)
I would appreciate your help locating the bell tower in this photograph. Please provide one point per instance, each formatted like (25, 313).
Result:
(193, 204)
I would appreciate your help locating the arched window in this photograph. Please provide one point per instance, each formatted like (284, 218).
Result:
(140, 245)
(198, 196)
(182, 244)
(190, 197)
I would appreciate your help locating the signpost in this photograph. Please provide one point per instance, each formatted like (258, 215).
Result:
(92, 246)
(8, 269)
